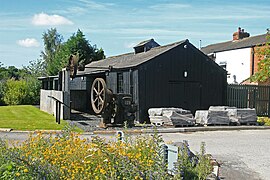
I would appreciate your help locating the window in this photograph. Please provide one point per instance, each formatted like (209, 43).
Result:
(120, 83)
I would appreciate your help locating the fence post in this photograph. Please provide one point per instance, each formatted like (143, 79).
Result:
(59, 112)
(56, 111)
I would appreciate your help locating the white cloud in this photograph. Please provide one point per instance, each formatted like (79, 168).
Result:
(28, 42)
(44, 19)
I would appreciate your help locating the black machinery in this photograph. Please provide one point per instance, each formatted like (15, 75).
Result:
(115, 109)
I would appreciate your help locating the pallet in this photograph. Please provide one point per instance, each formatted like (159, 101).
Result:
(249, 124)
(157, 123)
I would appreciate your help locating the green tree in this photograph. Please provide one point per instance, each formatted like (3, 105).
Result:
(263, 52)
(78, 44)
(36, 68)
(56, 56)
(52, 43)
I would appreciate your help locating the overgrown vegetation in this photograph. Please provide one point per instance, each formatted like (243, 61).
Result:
(67, 156)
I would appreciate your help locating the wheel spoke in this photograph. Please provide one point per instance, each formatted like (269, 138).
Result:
(95, 91)
(101, 100)
(102, 90)
(98, 86)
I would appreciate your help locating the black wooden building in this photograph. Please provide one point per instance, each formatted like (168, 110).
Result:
(174, 75)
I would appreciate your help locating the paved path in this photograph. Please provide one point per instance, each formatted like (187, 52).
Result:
(244, 154)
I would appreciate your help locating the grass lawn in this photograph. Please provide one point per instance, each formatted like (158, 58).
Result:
(27, 117)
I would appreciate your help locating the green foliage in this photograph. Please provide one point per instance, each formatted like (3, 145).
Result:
(24, 91)
(188, 167)
(52, 43)
(78, 44)
(204, 167)
(35, 68)
(15, 92)
(2, 85)
(264, 64)
(264, 121)
(69, 156)
(56, 56)
(11, 72)
(14, 166)
(8, 84)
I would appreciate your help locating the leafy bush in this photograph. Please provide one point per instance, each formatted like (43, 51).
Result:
(25, 91)
(190, 166)
(67, 156)
(2, 84)
(264, 121)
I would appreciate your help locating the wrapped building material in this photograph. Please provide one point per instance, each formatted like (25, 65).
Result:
(171, 117)
(247, 116)
(218, 117)
(201, 117)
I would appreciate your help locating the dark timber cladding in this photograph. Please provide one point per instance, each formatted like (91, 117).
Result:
(174, 75)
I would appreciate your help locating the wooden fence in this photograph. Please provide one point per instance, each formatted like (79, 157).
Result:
(250, 96)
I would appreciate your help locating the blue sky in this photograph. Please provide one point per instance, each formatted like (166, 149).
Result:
(117, 26)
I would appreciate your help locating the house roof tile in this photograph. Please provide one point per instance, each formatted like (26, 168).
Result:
(236, 44)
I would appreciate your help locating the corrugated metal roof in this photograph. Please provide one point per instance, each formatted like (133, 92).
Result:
(128, 60)
(236, 44)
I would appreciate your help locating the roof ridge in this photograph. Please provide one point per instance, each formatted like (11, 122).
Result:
(240, 40)
(166, 45)
(171, 44)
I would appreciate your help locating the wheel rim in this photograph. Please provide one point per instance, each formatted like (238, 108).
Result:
(98, 95)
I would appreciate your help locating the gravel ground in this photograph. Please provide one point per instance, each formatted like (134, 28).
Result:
(243, 154)
(90, 123)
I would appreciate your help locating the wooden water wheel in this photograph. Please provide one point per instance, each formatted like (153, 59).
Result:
(99, 96)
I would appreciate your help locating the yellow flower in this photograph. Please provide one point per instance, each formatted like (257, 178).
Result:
(17, 174)
(138, 178)
(25, 171)
(102, 171)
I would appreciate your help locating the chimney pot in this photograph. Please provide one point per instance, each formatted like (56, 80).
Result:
(240, 34)
(239, 29)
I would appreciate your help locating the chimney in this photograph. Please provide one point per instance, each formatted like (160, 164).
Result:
(240, 34)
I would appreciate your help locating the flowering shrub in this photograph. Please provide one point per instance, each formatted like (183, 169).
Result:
(67, 156)
(264, 121)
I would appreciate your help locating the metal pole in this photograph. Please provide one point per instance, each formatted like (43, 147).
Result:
(59, 112)
(56, 111)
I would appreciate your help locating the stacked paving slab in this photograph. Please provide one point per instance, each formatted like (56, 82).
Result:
(215, 115)
(171, 117)
(225, 115)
